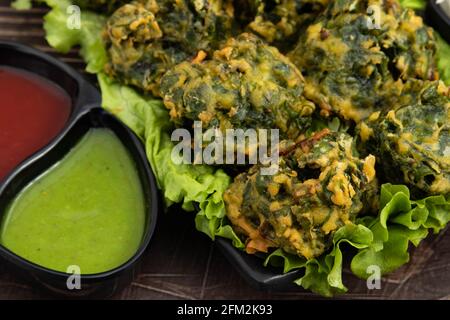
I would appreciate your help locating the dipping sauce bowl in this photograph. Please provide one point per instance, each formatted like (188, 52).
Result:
(52, 111)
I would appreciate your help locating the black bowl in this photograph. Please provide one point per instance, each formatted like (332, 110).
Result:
(86, 114)
(438, 19)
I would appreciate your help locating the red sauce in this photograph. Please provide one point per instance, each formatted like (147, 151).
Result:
(33, 110)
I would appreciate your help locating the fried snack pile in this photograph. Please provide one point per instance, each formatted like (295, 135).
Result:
(353, 61)
(246, 84)
(367, 62)
(146, 38)
(320, 187)
(412, 141)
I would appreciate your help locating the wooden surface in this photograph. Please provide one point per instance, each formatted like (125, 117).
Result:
(184, 264)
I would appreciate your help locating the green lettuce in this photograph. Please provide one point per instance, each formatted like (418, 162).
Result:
(414, 4)
(401, 221)
(381, 240)
(21, 4)
(324, 275)
(60, 37)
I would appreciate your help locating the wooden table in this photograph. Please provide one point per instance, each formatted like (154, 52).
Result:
(184, 264)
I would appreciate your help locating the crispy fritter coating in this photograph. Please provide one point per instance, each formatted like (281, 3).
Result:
(103, 6)
(319, 187)
(352, 66)
(146, 38)
(412, 141)
(279, 22)
(247, 84)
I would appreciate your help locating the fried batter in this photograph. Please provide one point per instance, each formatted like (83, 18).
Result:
(353, 62)
(247, 84)
(144, 39)
(279, 22)
(412, 141)
(319, 187)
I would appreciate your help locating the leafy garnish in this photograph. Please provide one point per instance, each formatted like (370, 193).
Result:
(63, 38)
(401, 221)
(21, 4)
(414, 4)
(324, 275)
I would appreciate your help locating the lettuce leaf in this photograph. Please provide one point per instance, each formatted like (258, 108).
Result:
(60, 37)
(21, 4)
(401, 221)
(414, 4)
(324, 275)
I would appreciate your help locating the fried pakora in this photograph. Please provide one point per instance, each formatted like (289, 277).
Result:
(146, 38)
(357, 55)
(279, 22)
(247, 84)
(412, 141)
(320, 186)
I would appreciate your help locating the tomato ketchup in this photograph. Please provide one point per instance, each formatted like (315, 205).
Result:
(33, 110)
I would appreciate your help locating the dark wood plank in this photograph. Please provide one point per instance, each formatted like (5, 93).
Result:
(184, 264)
(176, 263)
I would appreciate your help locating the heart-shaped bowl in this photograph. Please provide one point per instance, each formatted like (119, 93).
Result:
(86, 115)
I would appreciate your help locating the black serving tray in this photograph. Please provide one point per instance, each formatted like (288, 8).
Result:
(255, 273)
(86, 114)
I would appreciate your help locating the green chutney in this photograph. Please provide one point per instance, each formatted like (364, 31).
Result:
(88, 210)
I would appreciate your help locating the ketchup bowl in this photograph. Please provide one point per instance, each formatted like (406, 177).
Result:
(39, 97)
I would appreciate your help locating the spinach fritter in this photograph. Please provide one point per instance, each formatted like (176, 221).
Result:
(246, 84)
(353, 66)
(279, 22)
(103, 6)
(412, 141)
(146, 38)
(319, 187)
